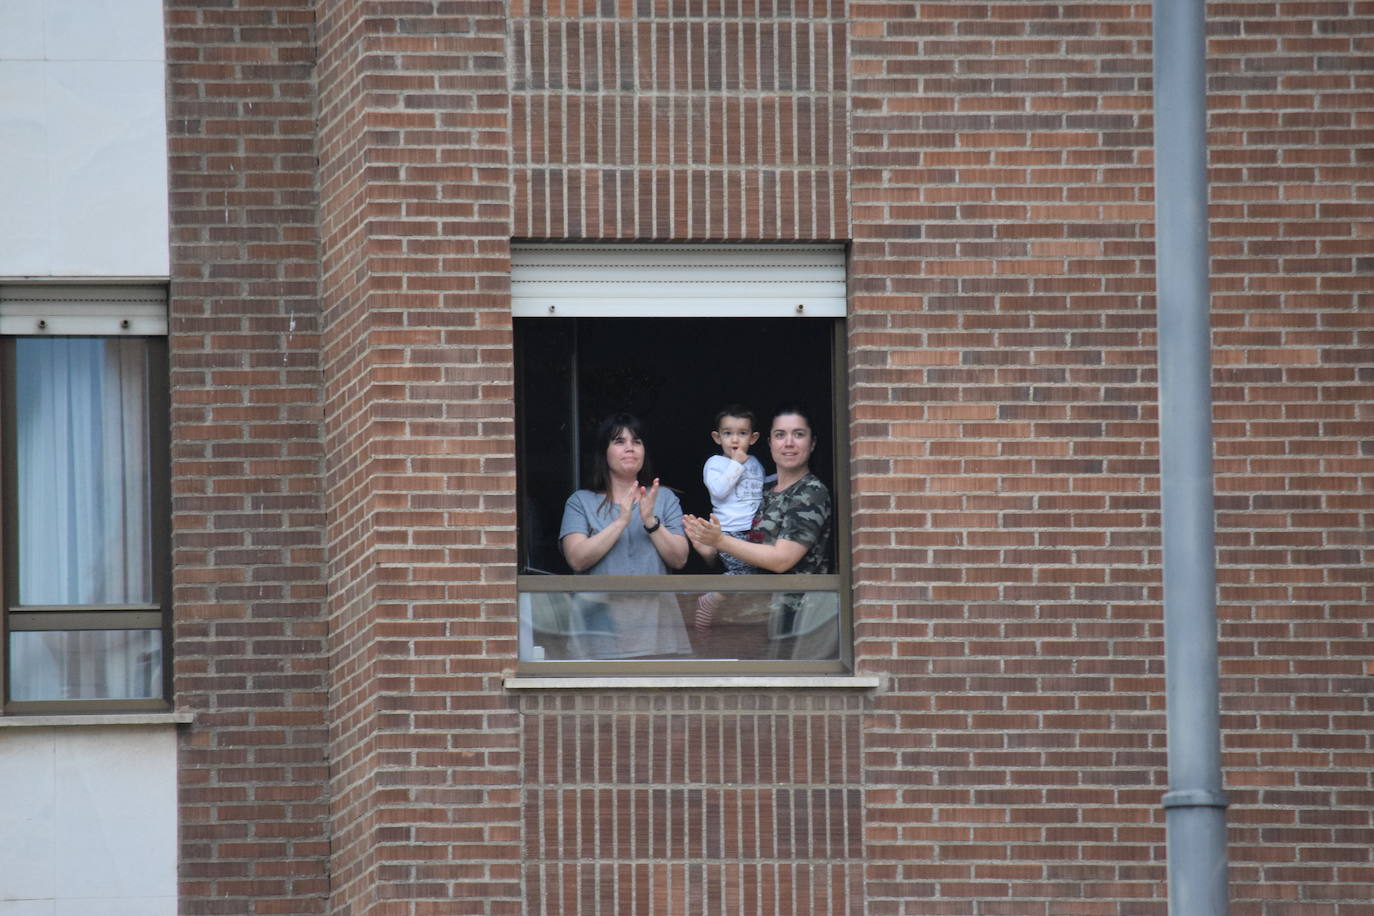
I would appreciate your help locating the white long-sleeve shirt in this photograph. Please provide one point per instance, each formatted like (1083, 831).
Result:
(736, 490)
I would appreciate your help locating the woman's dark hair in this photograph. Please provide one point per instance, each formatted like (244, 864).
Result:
(797, 409)
(606, 431)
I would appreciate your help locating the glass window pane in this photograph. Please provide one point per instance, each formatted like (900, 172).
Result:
(674, 374)
(85, 665)
(727, 626)
(83, 471)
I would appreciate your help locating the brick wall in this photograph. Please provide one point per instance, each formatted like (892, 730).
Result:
(1291, 93)
(415, 220)
(674, 125)
(1003, 407)
(1007, 549)
(248, 505)
(671, 125)
(991, 164)
(683, 804)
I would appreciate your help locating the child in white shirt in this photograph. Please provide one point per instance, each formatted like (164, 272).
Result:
(734, 479)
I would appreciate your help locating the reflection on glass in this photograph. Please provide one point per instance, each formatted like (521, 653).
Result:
(85, 665)
(566, 626)
(83, 471)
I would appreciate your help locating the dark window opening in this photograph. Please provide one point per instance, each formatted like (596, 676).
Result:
(672, 373)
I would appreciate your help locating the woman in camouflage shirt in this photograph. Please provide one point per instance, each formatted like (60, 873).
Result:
(791, 532)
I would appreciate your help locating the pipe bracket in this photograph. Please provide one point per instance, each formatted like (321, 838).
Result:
(1195, 798)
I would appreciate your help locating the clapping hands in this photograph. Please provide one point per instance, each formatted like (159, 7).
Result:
(703, 532)
(643, 497)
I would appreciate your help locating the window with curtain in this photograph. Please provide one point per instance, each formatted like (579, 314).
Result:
(85, 474)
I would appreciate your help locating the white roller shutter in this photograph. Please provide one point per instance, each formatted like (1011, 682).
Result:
(677, 281)
(96, 310)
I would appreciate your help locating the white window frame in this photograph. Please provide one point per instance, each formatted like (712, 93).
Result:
(96, 309)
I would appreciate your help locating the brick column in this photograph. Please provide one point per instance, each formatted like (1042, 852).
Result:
(419, 424)
(671, 122)
(250, 652)
(1292, 201)
(1005, 479)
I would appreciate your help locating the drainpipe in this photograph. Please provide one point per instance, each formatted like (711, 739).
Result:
(1195, 808)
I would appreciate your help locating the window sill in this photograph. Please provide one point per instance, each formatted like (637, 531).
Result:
(89, 719)
(700, 682)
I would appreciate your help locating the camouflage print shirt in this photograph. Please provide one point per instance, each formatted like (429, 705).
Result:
(801, 514)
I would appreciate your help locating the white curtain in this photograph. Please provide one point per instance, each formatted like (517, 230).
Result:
(84, 535)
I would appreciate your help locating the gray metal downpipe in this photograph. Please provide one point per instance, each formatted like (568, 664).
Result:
(1195, 807)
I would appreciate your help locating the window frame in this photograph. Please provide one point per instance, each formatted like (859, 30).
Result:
(840, 582)
(58, 312)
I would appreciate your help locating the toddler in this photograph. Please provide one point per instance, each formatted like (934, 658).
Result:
(734, 479)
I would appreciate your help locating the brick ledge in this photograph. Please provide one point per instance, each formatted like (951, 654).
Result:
(693, 682)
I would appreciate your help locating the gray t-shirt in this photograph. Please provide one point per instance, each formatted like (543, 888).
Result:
(633, 553)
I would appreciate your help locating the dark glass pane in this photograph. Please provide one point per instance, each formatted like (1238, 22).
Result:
(674, 374)
(738, 626)
(85, 665)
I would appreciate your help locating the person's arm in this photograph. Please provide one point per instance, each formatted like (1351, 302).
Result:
(777, 557)
(708, 554)
(583, 551)
(722, 475)
(667, 539)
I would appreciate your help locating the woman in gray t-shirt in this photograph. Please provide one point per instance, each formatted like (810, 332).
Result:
(625, 525)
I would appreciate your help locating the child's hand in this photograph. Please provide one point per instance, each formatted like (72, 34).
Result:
(739, 452)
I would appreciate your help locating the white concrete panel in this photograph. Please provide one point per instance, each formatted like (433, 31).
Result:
(127, 906)
(28, 852)
(108, 158)
(83, 139)
(116, 813)
(26, 229)
(21, 29)
(104, 29)
(28, 908)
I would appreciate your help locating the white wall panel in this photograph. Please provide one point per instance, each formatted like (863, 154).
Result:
(102, 29)
(26, 226)
(88, 820)
(131, 906)
(28, 815)
(83, 138)
(28, 908)
(22, 33)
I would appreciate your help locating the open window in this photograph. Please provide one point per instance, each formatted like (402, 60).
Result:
(671, 334)
(85, 498)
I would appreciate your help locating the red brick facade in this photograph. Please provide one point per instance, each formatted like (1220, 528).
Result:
(249, 500)
(346, 180)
